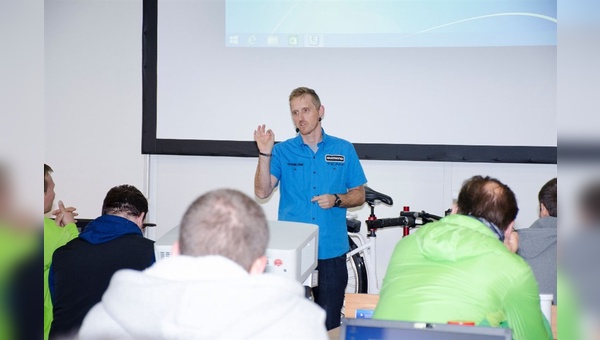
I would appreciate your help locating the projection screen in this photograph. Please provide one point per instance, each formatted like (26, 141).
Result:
(465, 80)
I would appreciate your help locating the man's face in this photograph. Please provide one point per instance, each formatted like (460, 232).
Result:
(49, 194)
(305, 114)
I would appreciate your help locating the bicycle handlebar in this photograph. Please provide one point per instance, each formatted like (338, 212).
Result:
(389, 222)
(353, 225)
(408, 219)
(421, 214)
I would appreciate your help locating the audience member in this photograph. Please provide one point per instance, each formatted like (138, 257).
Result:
(537, 244)
(579, 314)
(81, 270)
(463, 268)
(213, 286)
(56, 234)
(20, 260)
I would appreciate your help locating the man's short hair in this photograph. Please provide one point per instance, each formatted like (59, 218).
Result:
(47, 171)
(548, 196)
(488, 198)
(302, 91)
(225, 222)
(125, 199)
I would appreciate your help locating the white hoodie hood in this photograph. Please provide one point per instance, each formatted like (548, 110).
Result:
(210, 297)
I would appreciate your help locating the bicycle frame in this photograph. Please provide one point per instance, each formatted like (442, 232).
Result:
(366, 247)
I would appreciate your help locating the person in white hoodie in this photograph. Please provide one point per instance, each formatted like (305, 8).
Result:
(212, 288)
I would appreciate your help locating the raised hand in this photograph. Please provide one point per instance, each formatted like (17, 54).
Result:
(64, 216)
(265, 139)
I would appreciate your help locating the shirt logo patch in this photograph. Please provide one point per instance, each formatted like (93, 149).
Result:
(335, 158)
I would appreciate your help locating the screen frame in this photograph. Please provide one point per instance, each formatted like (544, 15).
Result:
(431, 328)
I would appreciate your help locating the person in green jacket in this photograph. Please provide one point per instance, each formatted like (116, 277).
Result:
(57, 233)
(20, 243)
(464, 268)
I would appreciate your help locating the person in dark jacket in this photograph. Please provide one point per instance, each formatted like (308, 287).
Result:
(537, 244)
(81, 270)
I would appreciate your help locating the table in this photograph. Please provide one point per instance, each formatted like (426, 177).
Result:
(334, 334)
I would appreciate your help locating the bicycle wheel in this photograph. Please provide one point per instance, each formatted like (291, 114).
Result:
(357, 272)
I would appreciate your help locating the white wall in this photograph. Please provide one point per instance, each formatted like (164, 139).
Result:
(93, 99)
(93, 134)
(21, 104)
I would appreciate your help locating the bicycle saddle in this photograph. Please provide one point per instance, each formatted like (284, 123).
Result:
(372, 196)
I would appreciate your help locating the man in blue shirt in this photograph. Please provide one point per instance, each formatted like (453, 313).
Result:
(320, 176)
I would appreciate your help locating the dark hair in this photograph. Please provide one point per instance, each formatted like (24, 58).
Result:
(302, 91)
(589, 203)
(125, 199)
(47, 171)
(225, 222)
(548, 196)
(488, 198)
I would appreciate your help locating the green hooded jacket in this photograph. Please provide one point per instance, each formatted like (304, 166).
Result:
(54, 238)
(456, 269)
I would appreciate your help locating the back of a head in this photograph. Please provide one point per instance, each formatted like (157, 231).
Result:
(225, 222)
(49, 193)
(125, 200)
(47, 171)
(548, 196)
(589, 204)
(488, 198)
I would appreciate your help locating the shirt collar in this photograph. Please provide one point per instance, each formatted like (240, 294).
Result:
(298, 140)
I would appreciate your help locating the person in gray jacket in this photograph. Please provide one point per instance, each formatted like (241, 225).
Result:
(537, 244)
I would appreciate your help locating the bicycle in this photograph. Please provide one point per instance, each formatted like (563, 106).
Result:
(361, 259)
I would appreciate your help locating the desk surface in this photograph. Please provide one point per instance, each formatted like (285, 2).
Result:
(334, 334)
(369, 301)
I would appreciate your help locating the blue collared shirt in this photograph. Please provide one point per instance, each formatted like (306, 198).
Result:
(303, 174)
